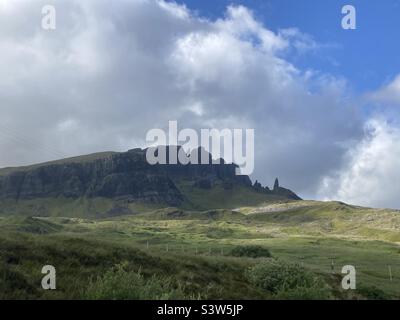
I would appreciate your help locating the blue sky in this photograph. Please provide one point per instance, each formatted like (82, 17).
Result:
(368, 57)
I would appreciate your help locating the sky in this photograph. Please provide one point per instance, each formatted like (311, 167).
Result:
(345, 53)
(323, 101)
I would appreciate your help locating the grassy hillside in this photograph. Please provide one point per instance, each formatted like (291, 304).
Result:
(220, 197)
(192, 252)
(69, 207)
(195, 199)
(78, 159)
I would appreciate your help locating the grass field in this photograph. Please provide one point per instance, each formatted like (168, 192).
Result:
(192, 251)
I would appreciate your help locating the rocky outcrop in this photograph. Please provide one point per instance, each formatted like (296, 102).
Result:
(276, 185)
(277, 190)
(125, 175)
(286, 193)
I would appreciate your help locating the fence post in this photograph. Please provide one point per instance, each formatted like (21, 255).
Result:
(390, 273)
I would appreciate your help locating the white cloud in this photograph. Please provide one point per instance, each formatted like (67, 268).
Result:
(370, 169)
(240, 23)
(180, 11)
(300, 41)
(371, 173)
(388, 94)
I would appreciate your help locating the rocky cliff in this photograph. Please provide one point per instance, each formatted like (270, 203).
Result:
(115, 175)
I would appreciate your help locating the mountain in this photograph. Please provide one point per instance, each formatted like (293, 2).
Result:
(127, 178)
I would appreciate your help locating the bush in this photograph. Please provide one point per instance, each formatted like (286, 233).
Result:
(373, 293)
(120, 284)
(251, 251)
(314, 293)
(14, 285)
(287, 281)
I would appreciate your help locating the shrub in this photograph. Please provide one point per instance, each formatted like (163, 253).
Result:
(252, 251)
(121, 284)
(314, 293)
(373, 293)
(287, 281)
(14, 285)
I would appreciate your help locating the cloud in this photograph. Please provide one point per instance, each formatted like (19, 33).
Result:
(302, 119)
(300, 41)
(109, 73)
(370, 168)
(371, 174)
(387, 95)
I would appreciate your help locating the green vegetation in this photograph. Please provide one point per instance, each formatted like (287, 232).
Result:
(120, 283)
(165, 253)
(286, 280)
(222, 197)
(251, 251)
(373, 293)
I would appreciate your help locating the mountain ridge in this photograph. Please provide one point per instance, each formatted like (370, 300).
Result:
(128, 176)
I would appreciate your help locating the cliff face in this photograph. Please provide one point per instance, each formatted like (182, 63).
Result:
(126, 175)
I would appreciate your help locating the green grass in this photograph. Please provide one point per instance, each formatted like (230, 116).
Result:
(219, 197)
(69, 207)
(81, 265)
(191, 251)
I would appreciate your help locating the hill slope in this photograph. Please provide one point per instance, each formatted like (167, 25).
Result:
(195, 248)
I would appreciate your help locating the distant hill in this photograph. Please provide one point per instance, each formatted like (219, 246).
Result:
(113, 183)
